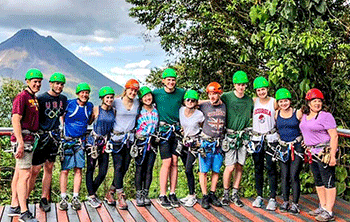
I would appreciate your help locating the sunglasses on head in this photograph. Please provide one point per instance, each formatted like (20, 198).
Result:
(191, 100)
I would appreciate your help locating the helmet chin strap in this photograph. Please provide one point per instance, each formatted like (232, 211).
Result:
(30, 89)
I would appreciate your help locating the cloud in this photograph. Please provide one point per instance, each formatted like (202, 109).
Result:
(87, 51)
(102, 20)
(109, 49)
(132, 70)
(142, 64)
(131, 48)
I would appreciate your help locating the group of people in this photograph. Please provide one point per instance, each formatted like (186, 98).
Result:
(174, 122)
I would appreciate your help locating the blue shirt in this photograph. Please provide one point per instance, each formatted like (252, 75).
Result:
(77, 118)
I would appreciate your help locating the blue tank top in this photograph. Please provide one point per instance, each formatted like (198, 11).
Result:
(104, 123)
(288, 128)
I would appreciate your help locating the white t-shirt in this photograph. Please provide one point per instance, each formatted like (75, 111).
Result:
(125, 120)
(264, 119)
(191, 125)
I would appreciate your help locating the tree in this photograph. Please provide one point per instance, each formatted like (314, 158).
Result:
(296, 44)
(8, 91)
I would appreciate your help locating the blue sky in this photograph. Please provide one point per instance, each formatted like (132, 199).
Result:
(99, 32)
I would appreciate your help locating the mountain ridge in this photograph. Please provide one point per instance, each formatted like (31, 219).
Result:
(27, 49)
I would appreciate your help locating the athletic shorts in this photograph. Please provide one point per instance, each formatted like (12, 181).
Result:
(234, 156)
(167, 148)
(323, 176)
(46, 152)
(26, 161)
(211, 162)
(73, 159)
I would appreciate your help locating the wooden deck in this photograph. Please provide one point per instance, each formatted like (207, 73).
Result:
(196, 214)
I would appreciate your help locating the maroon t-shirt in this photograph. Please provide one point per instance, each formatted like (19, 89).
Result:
(27, 106)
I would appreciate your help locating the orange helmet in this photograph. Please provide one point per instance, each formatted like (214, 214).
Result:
(214, 87)
(132, 84)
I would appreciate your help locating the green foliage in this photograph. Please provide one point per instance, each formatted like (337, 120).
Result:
(8, 91)
(297, 44)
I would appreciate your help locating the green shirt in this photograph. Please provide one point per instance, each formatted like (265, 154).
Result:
(168, 104)
(239, 110)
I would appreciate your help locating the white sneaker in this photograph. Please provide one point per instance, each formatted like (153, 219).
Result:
(191, 201)
(258, 202)
(184, 200)
(272, 205)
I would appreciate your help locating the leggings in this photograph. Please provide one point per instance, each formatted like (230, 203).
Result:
(91, 184)
(259, 172)
(144, 172)
(121, 161)
(290, 172)
(188, 160)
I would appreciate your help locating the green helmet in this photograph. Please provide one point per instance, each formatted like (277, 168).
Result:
(33, 74)
(283, 93)
(106, 90)
(240, 77)
(83, 86)
(57, 77)
(191, 94)
(260, 82)
(143, 91)
(169, 73)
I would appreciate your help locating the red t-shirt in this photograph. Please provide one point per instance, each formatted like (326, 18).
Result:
(27, 106)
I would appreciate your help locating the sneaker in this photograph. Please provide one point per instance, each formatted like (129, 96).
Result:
(76, 204)
(93, 202)
(214, 200)
(173, 200)
(316, 212)
(14, 211)
(122, 205)
(284, 206)
(225, 201)
(205, 202)
(140, 201)
(44, 205)
(258, 202)
(109, 198)
(27, 217)
(146, 198)
(63, 204)
(272, 205)
(236, 200)
(98, 200)
(164, 202)
(184, 200)
(325, 216)
(294, 209)
(191, 201)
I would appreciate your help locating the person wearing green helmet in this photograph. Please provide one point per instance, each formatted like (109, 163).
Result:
(169, 100)
(77, 117)
(52, 105)
(103, 116)
(25, 122)
(239, 112)
(287, 124)
(264, 132)
(144, 150)
(191, 120)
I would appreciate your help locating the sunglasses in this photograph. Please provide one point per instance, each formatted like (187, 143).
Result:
(191, 100)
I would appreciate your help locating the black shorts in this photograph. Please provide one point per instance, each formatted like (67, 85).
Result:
(167, 148)
(45, 152)
(323, 176)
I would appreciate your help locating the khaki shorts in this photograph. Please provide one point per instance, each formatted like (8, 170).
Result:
(26, 161)
(234, 156)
